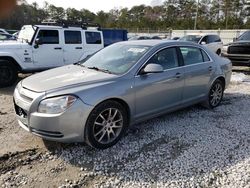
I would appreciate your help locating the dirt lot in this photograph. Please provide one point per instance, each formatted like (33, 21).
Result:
(194, 147)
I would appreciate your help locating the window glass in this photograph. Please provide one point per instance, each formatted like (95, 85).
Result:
(217, 38)
(167, 58)
(93, 38)
(205, 39)
(191, 55)
(205, 56)
(117, 58)
(245, 36)
(49, 36)
(191, 38)
(73, 37)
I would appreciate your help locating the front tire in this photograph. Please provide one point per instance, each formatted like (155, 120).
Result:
(106, 125)
(8, 73)
(215, 94)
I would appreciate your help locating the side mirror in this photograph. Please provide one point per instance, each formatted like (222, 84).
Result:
(203, 43)
(152, 68)
(234, 39)
(38, 42)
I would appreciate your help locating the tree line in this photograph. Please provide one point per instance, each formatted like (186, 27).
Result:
(172, 14)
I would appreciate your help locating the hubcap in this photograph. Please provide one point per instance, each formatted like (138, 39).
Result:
(216, 94)
(108, 125)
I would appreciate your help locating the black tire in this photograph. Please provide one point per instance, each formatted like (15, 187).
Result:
(99, 125)
(8, 73)
(218, 52)
(215, 95)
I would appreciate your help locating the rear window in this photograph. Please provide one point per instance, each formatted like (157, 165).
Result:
(93, 38)
(72, 37)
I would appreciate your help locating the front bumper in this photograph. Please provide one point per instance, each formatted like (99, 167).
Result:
(66, 127)
(238, 59)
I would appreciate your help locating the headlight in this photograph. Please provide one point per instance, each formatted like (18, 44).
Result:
(224, 49)
(56, 105)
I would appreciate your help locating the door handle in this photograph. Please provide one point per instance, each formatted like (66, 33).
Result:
(178, 75)
(57, 48)
(78, 48)
(210, 68)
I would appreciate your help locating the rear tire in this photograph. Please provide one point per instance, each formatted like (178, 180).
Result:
(8, 73)
(106, 125)
(218, 52)
(215, 95)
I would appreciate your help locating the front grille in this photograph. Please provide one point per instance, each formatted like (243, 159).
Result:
(239, 50)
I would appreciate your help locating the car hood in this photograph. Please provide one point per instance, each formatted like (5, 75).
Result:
(240, 42)
(12, 44)
(64, 77)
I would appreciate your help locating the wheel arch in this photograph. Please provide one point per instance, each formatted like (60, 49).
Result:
(222, 79)
(12, 60)
(122, 102)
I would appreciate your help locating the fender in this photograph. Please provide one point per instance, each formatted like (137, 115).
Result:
(18, 61)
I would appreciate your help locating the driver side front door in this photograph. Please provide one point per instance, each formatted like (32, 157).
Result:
(50, 53)
(157, 92)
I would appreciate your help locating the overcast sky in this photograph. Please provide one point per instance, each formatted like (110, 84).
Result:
(97, 5)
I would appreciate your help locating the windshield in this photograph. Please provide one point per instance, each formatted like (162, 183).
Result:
(191, 38)
(245, 36)
(27, 33)
(117, 58)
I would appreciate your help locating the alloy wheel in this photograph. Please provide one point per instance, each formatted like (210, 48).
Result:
(108, 125)
(216, 94)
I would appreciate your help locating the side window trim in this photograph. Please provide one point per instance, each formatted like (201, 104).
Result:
(204, 52)
(146, 62)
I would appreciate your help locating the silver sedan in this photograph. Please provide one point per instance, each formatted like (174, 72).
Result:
(95, 101)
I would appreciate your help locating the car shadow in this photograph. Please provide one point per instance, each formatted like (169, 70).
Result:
(192, 142)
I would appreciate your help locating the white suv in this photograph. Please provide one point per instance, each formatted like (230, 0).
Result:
(212, 41)
(43, 47)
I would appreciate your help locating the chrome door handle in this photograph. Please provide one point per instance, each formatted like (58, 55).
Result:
(210, 69)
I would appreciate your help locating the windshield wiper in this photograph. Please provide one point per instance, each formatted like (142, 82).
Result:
(102, 70)
(79, 64)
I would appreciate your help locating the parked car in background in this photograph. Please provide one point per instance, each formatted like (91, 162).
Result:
(4, 37)
(156, 38)
(140, 38)
(175, 38)
(239, 50)
(16, 34)
(95, 101)
(42, 47)
(4, 31)
(212, 41)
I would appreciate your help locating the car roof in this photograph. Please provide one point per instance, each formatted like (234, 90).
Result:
(61, 27)
(157, 42)
(202, 34)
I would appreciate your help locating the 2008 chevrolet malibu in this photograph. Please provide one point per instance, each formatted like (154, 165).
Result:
(94, 101)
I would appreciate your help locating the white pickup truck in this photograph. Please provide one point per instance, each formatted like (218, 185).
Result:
(42, 47)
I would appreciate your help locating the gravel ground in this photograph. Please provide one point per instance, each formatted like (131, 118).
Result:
(194, 147)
